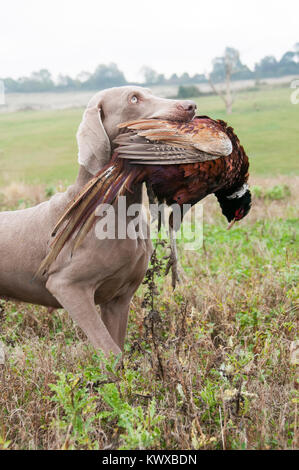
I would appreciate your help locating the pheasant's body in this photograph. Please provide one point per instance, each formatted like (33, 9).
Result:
(189, 182)
(181, 162)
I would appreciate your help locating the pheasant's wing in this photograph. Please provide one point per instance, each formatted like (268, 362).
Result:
(169, 142)
(140, 150)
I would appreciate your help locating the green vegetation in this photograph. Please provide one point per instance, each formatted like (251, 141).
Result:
(277, 192)
(188, 91)
(212, 367)
(78, 397)
(39, 146)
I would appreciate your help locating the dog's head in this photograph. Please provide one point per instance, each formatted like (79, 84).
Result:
(109, 108)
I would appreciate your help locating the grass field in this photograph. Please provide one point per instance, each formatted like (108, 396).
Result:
(215, 366)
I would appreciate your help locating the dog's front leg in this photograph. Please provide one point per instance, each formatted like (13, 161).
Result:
(79, 302)
(115, 317)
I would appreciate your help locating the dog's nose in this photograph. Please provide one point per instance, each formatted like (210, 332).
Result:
(188, 106)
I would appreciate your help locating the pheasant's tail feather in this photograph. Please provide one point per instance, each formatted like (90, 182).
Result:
(80, 196)
(80, 205)
(84, 231)
(115, 190)
(104, 188)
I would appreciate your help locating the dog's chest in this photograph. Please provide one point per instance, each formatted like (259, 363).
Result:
(122, 269)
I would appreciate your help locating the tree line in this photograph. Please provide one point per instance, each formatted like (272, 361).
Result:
(110, 75)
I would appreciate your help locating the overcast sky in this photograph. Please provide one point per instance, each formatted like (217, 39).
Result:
(69, 36)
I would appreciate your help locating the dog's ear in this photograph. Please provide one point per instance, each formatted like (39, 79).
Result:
(93, 141)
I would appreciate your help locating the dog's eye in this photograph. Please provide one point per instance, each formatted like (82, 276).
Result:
(134, 99)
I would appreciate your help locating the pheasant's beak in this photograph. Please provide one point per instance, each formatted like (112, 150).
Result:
(231, 224)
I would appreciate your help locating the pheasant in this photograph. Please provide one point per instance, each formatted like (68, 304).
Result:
(180, 162)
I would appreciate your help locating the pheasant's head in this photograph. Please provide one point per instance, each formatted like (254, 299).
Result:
(235, 206)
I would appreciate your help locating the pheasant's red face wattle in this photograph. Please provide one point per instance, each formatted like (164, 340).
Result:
(239, 214)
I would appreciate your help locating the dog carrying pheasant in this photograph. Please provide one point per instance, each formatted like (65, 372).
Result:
(181, 162)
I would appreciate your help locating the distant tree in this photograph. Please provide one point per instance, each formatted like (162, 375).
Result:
(105, 76)
(270, 67)
(65, 82)
(199, 78)
(288, 64)
(185, 78)
(174, 79)
(267, 67)
(150, 76)
(287, 58)
(218, 72)
(10, 85)
(43, 76)
(223, 69)
(161, 79)
(239, 70)
(83, 76)
(37, 82)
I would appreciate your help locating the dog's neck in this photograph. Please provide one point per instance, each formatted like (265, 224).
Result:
(83, 177)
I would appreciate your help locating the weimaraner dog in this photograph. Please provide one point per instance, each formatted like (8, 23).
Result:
(101, 272)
